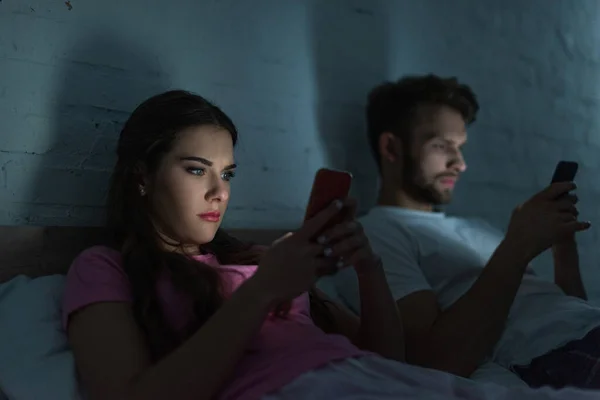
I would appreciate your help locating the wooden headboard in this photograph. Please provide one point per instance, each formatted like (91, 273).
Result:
(37, 251)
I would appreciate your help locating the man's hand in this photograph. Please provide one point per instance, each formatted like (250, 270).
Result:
(547, 218)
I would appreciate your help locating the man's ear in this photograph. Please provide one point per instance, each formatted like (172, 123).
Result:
(390, 147)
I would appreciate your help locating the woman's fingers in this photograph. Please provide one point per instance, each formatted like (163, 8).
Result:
(340, 232)
(281, 239)
(345, 246)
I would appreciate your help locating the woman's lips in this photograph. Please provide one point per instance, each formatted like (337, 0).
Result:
(212, 216)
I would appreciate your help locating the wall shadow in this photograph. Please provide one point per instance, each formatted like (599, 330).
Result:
(101, 80)
(350, 56)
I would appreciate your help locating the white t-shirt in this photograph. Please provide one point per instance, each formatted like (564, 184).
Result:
(430, 251)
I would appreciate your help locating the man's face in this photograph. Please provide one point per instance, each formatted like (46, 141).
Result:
(435, 159)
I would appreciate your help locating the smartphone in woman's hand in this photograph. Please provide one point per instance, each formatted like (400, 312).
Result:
(329, 185)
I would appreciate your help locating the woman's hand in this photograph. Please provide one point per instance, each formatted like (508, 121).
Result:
(347, 245)
(293, 264)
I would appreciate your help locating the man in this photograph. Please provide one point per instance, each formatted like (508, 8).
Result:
(464, 290)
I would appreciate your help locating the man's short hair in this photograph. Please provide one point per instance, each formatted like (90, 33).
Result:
(392, 105)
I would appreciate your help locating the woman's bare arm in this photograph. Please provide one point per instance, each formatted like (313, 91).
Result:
(345, 322)
(379, 329)
(113, 360)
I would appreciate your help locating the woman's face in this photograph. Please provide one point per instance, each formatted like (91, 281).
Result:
(190, 189)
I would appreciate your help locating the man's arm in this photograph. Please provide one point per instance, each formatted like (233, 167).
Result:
(567, 275)
(458, 339)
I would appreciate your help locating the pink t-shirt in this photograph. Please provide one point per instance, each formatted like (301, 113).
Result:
(282, 350)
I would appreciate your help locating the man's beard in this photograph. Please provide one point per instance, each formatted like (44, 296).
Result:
(417, 187)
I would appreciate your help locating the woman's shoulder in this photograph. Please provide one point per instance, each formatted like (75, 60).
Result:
(98, 263)
(99, 251)
(96, 275)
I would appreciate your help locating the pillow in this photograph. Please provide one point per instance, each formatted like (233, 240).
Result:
(35, 360)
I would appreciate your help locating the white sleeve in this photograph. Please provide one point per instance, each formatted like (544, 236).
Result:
(399, 254)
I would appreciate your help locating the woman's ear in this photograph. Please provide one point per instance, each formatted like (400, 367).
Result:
(142, 178)
(390, 147)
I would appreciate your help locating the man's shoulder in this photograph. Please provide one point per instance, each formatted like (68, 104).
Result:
(379, 219)
(386, 229)
(387, 223)
(399, 220)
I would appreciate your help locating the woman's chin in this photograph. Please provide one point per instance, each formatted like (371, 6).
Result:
(206, 236)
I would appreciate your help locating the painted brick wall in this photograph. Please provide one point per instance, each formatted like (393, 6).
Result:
(536, 67)
(293, 74)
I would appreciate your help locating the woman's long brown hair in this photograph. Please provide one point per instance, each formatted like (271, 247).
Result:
(146, 138)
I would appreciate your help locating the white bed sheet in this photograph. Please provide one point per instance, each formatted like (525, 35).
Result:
(493, 373)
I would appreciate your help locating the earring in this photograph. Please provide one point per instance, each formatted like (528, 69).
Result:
(142, 191)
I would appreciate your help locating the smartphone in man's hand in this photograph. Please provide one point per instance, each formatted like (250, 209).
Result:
(565, 171)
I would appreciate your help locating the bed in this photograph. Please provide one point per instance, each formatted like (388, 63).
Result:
(35, 361)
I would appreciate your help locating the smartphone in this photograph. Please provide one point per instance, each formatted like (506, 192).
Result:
(329, 185)
(565, 171)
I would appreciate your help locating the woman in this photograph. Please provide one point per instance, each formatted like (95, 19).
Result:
(177, 309)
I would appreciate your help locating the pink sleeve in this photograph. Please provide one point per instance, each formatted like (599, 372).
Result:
(95, 276)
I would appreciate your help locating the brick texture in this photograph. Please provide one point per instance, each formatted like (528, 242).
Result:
(294, 75)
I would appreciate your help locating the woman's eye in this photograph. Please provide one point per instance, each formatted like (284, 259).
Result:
(228, 175)
(196, 171)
